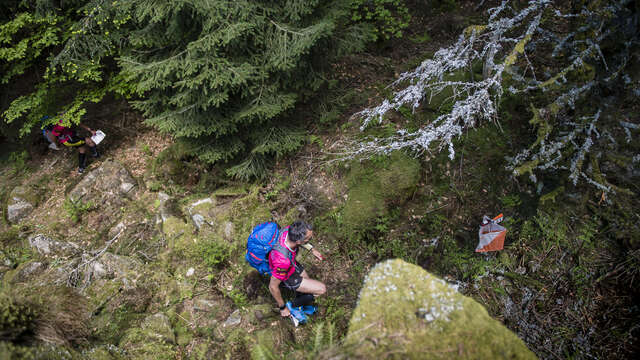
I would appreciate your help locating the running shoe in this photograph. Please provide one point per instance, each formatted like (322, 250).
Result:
(297, 314)
(309, 309)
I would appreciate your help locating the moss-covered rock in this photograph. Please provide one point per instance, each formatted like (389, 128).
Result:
(200, 210)
(10, 351)
(105, 352)
(108, 189)
(45, 245)
(268, 343)
(249, 210)
(211, 217)
(153, 340)
(159, 326)
(405, 312)
(139, 346)
(201, 350)
(179, 233)
(110, 326)
(164, 287)
(261, 314)
(22, 201)
(27, 271)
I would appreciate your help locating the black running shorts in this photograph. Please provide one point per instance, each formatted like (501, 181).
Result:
(74, 141)
(294, 281)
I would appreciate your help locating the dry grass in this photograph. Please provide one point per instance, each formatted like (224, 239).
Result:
(57, 315)
(63, 318)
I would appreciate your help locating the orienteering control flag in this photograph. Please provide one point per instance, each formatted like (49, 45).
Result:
(491, 235)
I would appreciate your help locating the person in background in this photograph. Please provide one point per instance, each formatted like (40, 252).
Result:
(46, 132)
(68, 137)
(286, 271)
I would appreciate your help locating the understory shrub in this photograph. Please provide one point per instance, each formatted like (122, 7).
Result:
(214, 253)
(388, 17)
(17, 317)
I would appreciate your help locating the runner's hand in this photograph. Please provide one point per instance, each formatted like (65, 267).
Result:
(285, 312)
(317, 254)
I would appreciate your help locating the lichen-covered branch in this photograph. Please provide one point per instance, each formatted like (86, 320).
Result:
(560, 58)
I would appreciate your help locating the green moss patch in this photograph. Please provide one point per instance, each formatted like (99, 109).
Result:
(375, 185)
(247, 212)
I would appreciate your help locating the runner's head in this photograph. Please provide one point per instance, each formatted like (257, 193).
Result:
(300, 232)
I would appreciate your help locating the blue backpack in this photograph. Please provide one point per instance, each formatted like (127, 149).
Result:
(261, 241)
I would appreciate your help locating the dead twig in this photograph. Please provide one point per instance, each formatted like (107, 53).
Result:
(74, 276)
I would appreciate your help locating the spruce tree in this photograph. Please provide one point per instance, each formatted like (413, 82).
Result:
(222, 77)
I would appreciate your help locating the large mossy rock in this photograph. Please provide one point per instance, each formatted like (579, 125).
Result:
(228, 214)
(210, 216)
(110, 182)
(121, 302)
(26, 271)
(406, 313)
(47, 246)
(22, 201)
(108, 188)
(205, 231)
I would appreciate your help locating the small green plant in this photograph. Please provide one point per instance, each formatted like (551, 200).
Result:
(336, 312)
(16, 255)
(313, 139)
(76, 208)
(388, 17)
(238, 297)
(155, 186)
(420, 39)
(406, 112)
(511, 201)
(382, 224)
(447, 5)
(9, 235)
(214, 253)
(146, 150)
(553, 229)
(18, 159)
(282, 184)
(433, 224)
(324, 336)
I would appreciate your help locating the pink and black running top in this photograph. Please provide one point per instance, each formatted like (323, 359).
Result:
(282, 261)
(63, 134)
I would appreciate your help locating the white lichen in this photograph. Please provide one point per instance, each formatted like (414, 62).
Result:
(508, 35)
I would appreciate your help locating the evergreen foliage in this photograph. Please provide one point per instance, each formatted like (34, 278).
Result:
(221, 77)
(65, 45)
(224, 77)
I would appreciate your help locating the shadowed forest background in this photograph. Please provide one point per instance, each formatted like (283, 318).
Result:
(392, 126)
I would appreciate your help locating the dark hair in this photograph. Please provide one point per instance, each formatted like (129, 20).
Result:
(298, 230)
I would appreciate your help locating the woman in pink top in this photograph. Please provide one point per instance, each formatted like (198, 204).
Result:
(69, 138)
(291, 274)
